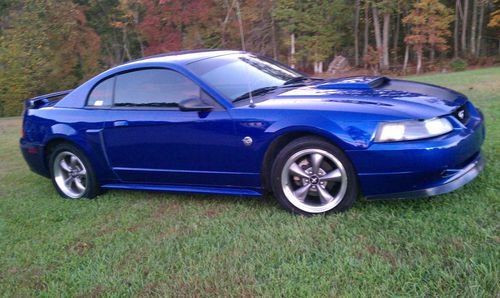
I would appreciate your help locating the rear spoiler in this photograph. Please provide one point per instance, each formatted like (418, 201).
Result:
(42, 100)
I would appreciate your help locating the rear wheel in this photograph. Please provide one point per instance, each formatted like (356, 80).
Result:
(72, 174)
(311, 176)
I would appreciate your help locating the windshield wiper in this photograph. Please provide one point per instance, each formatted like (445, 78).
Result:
(295, 80)
(258, 91)
(300, 79)
(149, 104)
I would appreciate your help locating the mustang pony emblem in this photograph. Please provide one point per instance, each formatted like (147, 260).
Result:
(461, 114)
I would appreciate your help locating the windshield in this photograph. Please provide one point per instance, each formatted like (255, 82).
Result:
(238, 74)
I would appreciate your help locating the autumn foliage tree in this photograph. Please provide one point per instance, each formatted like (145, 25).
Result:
(125, 21)
(313, 33)
(260, 27)
(429, 21)
(49, 45)
(45, 47)
(495, 17)
(175, 25)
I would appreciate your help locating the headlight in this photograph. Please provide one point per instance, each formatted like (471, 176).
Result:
(412, 130)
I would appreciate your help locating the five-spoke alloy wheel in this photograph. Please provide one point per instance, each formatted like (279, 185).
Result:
(71, 173)
(312, 176)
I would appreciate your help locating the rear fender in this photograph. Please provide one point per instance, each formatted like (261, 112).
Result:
(89, 142)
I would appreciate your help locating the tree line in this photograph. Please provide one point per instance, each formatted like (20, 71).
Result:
(49, 45)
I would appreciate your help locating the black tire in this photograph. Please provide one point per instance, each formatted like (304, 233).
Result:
(308, 144)
(92, 188)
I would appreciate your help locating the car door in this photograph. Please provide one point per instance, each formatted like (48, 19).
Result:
(149, 140)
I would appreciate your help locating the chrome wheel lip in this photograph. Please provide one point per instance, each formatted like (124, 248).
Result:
(70, 174)
(286, 173)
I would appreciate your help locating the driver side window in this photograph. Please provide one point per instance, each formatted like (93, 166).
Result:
(153, 88)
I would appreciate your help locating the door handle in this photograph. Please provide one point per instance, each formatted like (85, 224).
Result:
(119, 123)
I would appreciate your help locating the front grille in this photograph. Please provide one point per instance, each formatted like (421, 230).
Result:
(462, 114)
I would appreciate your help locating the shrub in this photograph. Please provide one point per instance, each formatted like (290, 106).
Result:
(458, 64)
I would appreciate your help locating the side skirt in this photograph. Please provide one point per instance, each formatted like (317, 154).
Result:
(186, 189)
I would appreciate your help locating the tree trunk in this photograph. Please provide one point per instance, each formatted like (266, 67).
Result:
(376, 27)
(240, 25)
(136, 24)
(455, 29)
(226, 20)
(126, 52)
(117, 49)
(292, 50)
(356, 33)
(407, 56)
(464, 26)
(385, 40)
(273, 32)
(396, 37)
(480, 28)
(473, 28)
(367, 28)
(419, 60)
(318, 67)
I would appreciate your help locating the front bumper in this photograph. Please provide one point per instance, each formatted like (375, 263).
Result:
(456, 181)
(421, 168)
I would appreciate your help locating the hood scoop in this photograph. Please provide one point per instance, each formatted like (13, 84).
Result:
(355, 83)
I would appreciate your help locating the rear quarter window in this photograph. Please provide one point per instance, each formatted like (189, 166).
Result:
(102, 94)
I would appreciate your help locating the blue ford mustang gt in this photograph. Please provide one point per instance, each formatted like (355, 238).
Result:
(234, 123)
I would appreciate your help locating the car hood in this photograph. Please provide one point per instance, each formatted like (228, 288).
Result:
(370, 95)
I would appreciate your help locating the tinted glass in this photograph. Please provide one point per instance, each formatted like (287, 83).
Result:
(153, 87)
(235, 75)
(102, 94)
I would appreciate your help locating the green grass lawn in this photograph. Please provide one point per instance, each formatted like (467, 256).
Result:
(149, 244)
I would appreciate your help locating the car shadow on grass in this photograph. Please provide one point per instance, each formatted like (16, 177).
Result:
(192, 198)
(270, 204)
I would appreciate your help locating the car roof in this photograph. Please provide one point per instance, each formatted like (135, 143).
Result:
(170, 59)
(183, 57)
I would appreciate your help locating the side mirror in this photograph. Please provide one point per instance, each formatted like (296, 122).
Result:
(194, 104)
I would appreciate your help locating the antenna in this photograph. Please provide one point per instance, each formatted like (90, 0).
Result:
(252, 104)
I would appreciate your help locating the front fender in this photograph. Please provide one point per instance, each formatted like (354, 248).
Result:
(347, 135)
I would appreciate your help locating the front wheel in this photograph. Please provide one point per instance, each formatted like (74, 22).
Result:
(72, 173)
(311, 176)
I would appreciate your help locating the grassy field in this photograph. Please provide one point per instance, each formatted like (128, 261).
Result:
(155, 244)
